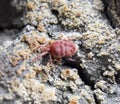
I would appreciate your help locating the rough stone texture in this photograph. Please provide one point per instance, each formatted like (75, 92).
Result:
(37, 82)
(113, 11)
(6, 38)
(92, 76)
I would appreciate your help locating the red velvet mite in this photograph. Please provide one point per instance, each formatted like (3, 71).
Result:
(59, 49)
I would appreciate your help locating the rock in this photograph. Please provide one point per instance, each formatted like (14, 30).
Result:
(35, 82)
(112, 10)
(91, 76)
(9, 16)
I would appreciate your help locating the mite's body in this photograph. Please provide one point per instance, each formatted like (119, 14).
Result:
(62, 48)
(59, 49)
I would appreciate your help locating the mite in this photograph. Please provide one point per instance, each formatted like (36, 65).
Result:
(58, 49)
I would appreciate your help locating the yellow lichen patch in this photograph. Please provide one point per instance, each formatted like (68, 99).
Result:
(74, 100)
(73, 86)
(117, 66)
(101, 84)
(31, 42)
(71, 14)
(51, 41)
(91, 39)
(59, 83)
(37, 69)
(43, 71)
(61, 36)
(14, 85)
(65, 73)
(101, 41)
(90, 55)
(40, 39)
(22, 67)
(110, 75)
(29, 15)
(44, 75)
(24, 53)
(49, 66)
(89, 100)
(30, 5)
(41, 28)
(34, 85)
(48, 95)
(39, 17)
(38, 88)
(58, 4)
(30, 74)
(103, 53)
(77, 12)
(86, 95)
(68, 73)
(14, 60)
(34, 16)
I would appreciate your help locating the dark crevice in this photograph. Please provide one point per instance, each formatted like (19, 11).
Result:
(96, 100)
(112, 12)
(10, 27)
(55, 12)
(106, 13)
(117, 77)
(2, 29)
(82, 72)
(9, 16)
(82, 48)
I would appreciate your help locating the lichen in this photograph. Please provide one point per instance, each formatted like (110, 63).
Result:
(68, 73)
(14, 60)
(24, 54)
(31, 42)
(74, 100)
(41, 28)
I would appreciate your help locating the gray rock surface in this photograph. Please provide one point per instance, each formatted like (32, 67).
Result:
(112, 9)
(92, 76)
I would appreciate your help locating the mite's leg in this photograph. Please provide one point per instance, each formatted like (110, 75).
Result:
(43, 47)
(39, 56)
(51, 62)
